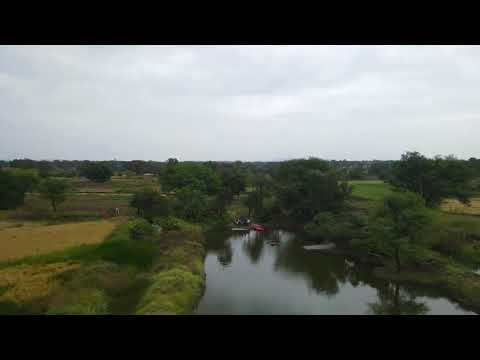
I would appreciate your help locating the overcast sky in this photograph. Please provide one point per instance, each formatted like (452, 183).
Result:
(238, 102)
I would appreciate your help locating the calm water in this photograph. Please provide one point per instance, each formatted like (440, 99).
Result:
(271, 273)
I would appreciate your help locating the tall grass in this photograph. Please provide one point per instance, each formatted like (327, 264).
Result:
(117, 248)
(370, 190)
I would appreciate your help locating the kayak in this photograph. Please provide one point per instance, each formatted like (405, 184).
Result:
(257, 227)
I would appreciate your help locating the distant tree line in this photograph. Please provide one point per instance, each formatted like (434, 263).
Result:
(301, 189)
(347, 169)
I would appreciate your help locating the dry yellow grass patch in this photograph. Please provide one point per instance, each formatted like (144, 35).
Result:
(26, 283)
(456, 206)
(34, 239)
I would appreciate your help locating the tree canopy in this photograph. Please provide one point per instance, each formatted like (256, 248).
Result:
(399, 221)
(196, 176)
(55, 190)
(13, 186)
(433, 179)
(150, 203)
(306, 187)
(96, 172)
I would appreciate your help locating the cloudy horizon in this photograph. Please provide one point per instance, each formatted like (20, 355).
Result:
(249, 103)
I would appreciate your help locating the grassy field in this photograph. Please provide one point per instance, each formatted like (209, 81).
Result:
(377, 190)
(370, 189)
(27, 239)
(456, 207)
(117, 184)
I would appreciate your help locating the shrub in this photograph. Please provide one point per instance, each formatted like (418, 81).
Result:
(329, 226)
(83, 302)
(171, 223)
(140, 229)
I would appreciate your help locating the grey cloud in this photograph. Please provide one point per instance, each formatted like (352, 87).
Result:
(238, 102)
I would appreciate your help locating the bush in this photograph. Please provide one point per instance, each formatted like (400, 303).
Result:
(330, 226)
(140, 229)
(171, 223)
(83, 302)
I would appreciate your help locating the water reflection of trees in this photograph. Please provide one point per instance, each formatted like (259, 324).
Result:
(253, 246)
(322, 273)
(394, 300)
(325, 274)
(221, 245)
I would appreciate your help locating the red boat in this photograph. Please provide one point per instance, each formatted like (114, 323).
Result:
(257, 227)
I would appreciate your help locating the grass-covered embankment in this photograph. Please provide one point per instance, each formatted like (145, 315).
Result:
(130, 272)
(178, 279)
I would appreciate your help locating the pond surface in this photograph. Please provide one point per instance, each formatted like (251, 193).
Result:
(271, 273)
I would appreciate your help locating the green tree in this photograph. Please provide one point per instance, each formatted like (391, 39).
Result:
(324, 225)
(137, 166)
(357, 173)
(307, 187)
(221, 201)
(234, 179)
(433, 179)
(150, 203)
(262, 181)
(96, 172)
(13, 186)
(191, 204)
(54, 190)
(196, 176)
(399, 221)
(254, 203)
(45, 168)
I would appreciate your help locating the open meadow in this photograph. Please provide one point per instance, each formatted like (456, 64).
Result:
(370, 189)
(34, 238)
(376, 190)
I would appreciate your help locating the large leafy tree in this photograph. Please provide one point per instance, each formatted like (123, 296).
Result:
(234, 179)
(221, 201)
(254, 203)
(96, 172)
(433, 179)
(179, 175)
(306, 187)
(54, 190)
(191, 204)
(13, 186)
(150, 203)
(137, 166)
(399, 221)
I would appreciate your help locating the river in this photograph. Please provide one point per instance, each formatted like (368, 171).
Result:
(271, 273)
